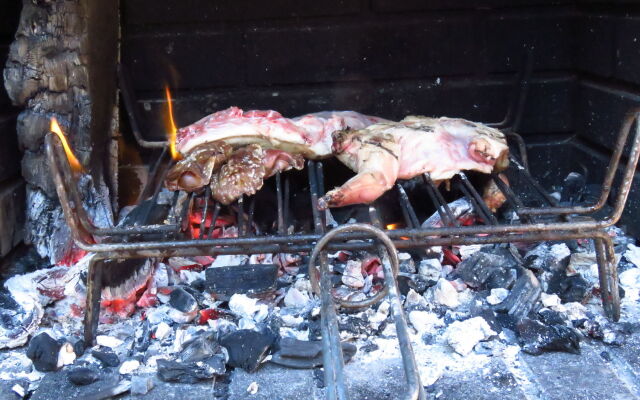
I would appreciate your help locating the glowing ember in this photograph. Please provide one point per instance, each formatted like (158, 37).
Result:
(73, 161)
(391, 227)
(173, 131)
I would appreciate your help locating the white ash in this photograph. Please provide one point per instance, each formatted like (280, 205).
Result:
(128, 367)
(632, 254)
(108, 341)
(352, 275)
(245, 306)
(431, 268)
(462, 336)
(497, 296)
(415, 300)
(66, 356)
(443, 293)
(162, 331)
(550, 300)
(425, 321)
(468, 250)
(296, 299)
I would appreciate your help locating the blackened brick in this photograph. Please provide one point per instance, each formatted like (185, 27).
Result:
(392, 50)
(193, 60)
(595, 45)
(628, 49)
(508, 39)
(140, 12)
(9, 154)
(600, 111)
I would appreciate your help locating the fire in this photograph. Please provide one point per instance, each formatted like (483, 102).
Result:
(392, 227)
(173, 131)
(73, 161)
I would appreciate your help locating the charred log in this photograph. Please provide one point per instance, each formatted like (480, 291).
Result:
(62, 64)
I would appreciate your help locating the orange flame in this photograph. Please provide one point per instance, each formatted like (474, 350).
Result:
(73, 161)
(173, 131)
(392, 227)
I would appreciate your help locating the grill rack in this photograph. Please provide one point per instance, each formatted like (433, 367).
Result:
(560, 223)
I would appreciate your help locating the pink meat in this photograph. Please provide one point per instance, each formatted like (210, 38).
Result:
(384, 152)
(309, 135)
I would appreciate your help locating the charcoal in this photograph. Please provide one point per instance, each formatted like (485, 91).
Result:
(488, 269)
(551, 317)
(606, 356)
(301, 354)
(247, 348)
(43, 351)
(199, 348)
(142, 338)
(548, 257)
(242, 278)
(106, 356)
(369, 347)
(199, 284)
(318, 376)
(82, 376)
(182, 301)
(537, 337)
(174, 371)
(413, 281)
(523, 296)
(569, 288)
(79, 347)
(573, 188)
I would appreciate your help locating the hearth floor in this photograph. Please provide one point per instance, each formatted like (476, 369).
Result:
(599, 372)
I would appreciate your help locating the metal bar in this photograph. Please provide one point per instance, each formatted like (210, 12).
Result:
(280, 201)
(440, 202)
(406, 204)
(287, 190)
(331, 348)
(156, 176)
(92, 306)
(313, 193)
(320, 189)
(241, 227)
(536, 185)
(519, 96)
(130, 107)
(205, 209)
(522, 148)
(414, 388)
(252, 209)
(511, 197)
(479, 201)
(214, 218)
(608, 276)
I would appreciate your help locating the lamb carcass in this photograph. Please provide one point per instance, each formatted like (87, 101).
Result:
(384, 152)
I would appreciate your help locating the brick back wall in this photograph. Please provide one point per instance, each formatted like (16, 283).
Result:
(384, 57)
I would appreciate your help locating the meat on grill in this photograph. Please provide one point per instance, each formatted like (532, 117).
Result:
(309, 135)
(207, 145)
(384, 152)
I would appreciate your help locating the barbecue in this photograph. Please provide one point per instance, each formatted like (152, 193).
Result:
(356, 200)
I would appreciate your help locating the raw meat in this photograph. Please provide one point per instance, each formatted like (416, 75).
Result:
(309, 135)
(208, 144)
(384, 152)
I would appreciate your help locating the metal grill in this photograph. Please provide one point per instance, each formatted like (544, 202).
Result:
(549, 222)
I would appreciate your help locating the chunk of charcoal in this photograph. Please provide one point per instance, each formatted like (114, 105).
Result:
(523, 296)
(569, 288)
(369, 347)
(174, 371)
(43, 351)
(141, 385)
(552, 317)
(79, 347)
(249, 278)
(199, 284)
(106, 356)
(82, 376)
(182, 300)
(301, 354)
(548, 257)
(573, 188)
(606, 356)
(537, 337)
(613, 336)
(489, 268)
(201, 347)
(413, 281)
(247, 348)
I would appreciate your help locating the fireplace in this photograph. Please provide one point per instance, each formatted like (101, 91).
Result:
(558, 77)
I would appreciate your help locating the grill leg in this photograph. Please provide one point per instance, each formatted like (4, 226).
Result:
(92, 307)
(608, 274)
